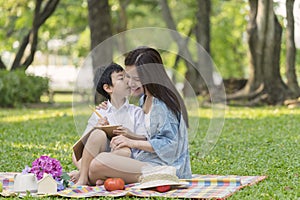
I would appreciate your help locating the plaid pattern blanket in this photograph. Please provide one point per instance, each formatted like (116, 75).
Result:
(199, 187)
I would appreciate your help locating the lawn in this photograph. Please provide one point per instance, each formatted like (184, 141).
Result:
(254, 141)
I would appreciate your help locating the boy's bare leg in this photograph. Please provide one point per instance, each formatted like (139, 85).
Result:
(95, 144)
(74, 175)
(75, 162)
(125, 151)
(107, 165)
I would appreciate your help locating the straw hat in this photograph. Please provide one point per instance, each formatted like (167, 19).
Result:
(159, 176)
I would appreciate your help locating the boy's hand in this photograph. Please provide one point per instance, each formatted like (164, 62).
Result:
(102, 105)
(103, 121)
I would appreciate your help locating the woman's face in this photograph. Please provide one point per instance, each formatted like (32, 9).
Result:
(133, 81)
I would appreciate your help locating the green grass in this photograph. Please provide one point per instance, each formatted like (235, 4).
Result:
(254, 141)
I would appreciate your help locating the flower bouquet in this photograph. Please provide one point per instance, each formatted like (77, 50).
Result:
(51, 166)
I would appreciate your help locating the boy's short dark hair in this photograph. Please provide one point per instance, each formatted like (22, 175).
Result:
(105, 78)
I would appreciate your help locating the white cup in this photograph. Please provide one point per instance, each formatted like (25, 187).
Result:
(25, 182)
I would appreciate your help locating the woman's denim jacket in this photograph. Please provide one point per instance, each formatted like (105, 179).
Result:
(169, 138)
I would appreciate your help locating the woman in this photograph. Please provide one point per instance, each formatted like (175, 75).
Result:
(166, 121)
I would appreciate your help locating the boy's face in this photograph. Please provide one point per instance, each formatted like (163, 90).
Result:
(119, 86)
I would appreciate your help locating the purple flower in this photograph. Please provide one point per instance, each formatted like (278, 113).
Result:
(51, 166)
(46, 164)
(26, 170)
(60, 185)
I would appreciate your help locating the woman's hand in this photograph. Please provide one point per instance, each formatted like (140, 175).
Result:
(102, 105)
(122, 131)
(102, 121)
(121, 141)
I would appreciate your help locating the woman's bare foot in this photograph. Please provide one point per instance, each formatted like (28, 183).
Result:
(99, 182)
(74, 176)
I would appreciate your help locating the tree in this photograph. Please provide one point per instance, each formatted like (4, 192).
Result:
(292, 82)
(202, 32)
(203, 24)
(228, 43)
(121, 23)
(72, 32)
(100, 24)
(41, 13)
(99, 21)
(264, 39)
(192, 75)
(2, 65)
(100, 27)
(67, 27)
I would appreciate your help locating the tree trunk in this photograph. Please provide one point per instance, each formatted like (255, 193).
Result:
(269, 43)
(203, 38)
(2, 65)
(292, 82)
(265, 44)
(178, 56)
(101, 29)
(122, 24)
(203, 24)
(255, 72)
(31, 39)
(33, 36)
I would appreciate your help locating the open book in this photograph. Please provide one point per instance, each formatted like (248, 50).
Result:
(79, 145)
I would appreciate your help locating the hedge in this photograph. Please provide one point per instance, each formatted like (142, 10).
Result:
(18, 88)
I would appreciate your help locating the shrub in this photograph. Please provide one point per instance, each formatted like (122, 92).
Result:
(17, 88)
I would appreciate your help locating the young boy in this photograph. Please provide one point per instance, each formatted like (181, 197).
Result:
(119, 112)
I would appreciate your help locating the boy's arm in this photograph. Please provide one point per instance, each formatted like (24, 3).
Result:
(102, 121)
(91, 123)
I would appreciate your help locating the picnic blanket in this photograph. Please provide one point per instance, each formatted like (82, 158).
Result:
(199, 187)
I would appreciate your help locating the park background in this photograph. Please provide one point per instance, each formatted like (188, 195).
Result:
(254, 45)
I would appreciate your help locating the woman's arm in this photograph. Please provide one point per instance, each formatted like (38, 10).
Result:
(143, 145)
(102, 105)
(122, 141)
(165, 135)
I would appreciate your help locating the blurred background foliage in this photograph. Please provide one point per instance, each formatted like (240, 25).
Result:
(67, 32)
(69, 23)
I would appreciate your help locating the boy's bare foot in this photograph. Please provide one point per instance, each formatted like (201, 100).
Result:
(82, 181)
(74, 176)
(99, 182)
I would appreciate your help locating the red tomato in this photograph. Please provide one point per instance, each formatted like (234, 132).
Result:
(111, 184)
(163, 188)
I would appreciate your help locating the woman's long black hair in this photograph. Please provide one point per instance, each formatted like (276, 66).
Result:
(155, 79)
